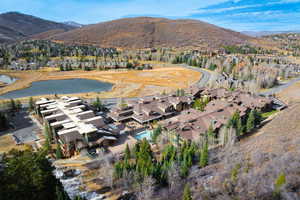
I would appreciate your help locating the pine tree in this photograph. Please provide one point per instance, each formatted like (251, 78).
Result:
(204, 155)
(31, 104)
(47, 145)
(47, 134)
(98, 104)
(18, 105)
(211, 135)
(258, 117)
(127, 153)
(12, 105)
(61, 194)
(58, 152)
(250, 121)
(187, 193)
(3, 121)
(239, 127)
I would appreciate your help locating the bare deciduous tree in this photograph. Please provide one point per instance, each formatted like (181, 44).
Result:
(146, 189)
(106, 169)
(174, 177)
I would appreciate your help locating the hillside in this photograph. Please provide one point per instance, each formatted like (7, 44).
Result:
(146, 32)
(263, 166)
(15, 26)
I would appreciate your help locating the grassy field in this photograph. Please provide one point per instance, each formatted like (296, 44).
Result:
(7, 143)
(131, 83)
(291, 94)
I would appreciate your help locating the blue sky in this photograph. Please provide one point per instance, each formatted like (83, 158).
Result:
(240, 15)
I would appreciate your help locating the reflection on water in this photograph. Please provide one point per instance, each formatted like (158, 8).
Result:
(68, 86)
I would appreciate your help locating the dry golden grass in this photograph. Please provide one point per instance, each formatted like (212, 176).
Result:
(7, 143)
(291, 94)
(131, 83)
(2, 84)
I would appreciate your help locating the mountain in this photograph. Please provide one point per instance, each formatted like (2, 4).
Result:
(147, 32)
(74, 24)
(15, 26)
(265, 33)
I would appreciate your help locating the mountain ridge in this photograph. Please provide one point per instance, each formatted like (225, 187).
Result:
(149, 32)
(15, 26)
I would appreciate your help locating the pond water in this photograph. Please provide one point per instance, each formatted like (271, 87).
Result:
(7, 79)
(68, 86)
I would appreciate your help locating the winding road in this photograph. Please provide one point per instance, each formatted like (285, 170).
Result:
(205, 76)
(280, 87)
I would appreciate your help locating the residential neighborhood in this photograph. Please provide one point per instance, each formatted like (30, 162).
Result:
(76, 126)
(149, 100)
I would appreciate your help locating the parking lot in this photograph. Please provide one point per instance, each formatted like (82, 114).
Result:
(23, 129)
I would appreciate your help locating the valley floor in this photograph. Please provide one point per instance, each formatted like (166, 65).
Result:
(132, 83)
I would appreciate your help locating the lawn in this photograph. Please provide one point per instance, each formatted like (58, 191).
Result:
(268, 114)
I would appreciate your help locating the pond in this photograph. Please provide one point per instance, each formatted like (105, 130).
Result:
(7, 79)
(68, 86)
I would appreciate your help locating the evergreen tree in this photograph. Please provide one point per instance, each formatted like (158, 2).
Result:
(58, 153)
(127, 153)
(211, 135)
(98, 104)
(239, 127)
(258, 117)
(47, 145)
(62, 195)
(48, 138)
(31, 104)
(187, 193)
(3, 121)
(12, 105)
(59, 194)
(204, 155)
(29, 175)
(250, 121)
(18, 105)
(236, 122)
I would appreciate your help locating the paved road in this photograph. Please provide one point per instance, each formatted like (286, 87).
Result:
(205, 74)
(110, 102)
(280, 87)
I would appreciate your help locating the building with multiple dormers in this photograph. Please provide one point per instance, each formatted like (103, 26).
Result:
(149, 109)
(74, 125)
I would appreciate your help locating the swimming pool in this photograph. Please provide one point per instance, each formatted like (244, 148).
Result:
(144, 134)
